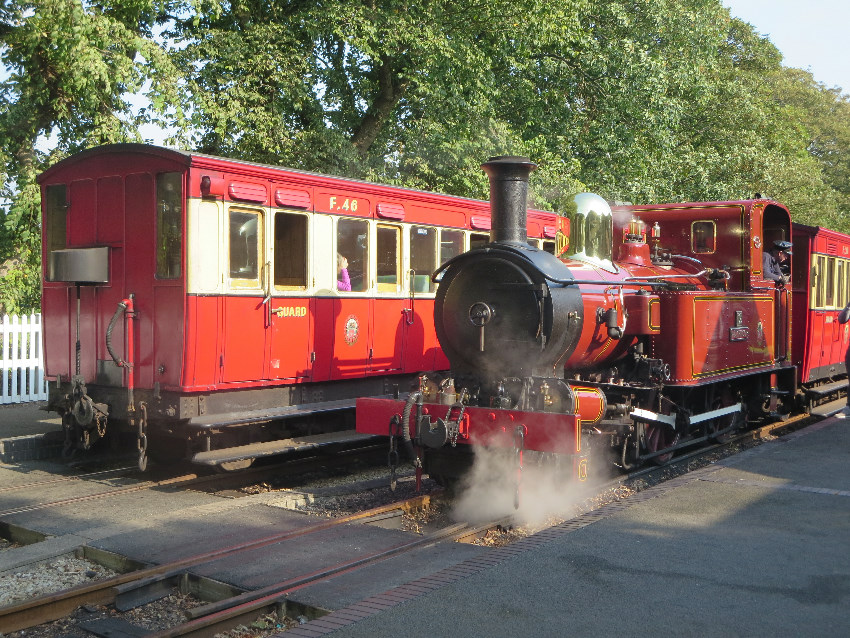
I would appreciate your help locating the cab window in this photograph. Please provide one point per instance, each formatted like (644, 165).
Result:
(290, 251)
(353, 246)
(245, 236)
(703, 237)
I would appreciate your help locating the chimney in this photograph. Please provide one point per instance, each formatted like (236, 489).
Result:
(508, 197)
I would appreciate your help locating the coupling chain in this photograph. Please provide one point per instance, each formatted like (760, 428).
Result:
(142, 430)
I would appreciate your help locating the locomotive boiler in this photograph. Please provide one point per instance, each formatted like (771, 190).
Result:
(653, 328)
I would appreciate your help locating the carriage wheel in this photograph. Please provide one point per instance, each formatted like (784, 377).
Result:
(234, 466)
(658, 437)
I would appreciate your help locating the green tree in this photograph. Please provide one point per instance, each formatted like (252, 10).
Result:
(639, 100)
(70, 67)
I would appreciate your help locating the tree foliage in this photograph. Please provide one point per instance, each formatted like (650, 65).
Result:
(639, 100)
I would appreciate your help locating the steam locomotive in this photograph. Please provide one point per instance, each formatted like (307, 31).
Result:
(653, 329)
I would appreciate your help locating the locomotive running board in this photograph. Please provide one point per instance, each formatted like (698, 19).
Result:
(283, 446)
(647, 415)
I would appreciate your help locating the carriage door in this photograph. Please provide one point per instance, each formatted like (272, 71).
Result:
(388, 322)
(352, 309)
(245, 314)
(290, 314)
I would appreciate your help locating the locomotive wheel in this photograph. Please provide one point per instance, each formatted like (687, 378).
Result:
(722, 429)
(659, 437)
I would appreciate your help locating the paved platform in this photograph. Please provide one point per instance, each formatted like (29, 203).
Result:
(756, 545)
(28, 432)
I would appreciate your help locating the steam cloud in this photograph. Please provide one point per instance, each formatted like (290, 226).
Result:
(488, 491)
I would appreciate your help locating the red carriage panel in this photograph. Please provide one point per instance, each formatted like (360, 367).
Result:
(168, 337)
(203, 357)
(291, 338)
(244, 348)
(342, 203)
(421, 345)
(110, 198)
(389, 335)
(350, 337)
(324, 336)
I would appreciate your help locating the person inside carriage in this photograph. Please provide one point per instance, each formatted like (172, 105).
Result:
(343, 281)
(773, 261)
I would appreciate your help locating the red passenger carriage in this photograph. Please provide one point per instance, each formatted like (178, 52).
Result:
(821, 276)
(194, 300)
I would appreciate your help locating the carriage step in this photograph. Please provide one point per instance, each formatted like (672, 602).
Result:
(282, 446)
(824, 390)
(268, 414)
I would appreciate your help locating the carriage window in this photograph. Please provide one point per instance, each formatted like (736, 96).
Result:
(352, 245)
(169, 212)
(703, 237)
(56, 217)
(387, 247)
(423, 257)
(451, 244)
(290, 251)
(841, 294)
(830, 282)
(245, 246)
(477, 240)
(549, 247)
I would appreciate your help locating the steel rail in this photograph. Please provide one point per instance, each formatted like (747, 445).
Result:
(58, 605)
(65, 479)
(214, 618)
(186, 480)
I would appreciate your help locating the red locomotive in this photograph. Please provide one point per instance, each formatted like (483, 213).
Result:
(655, 329)
(200, 303)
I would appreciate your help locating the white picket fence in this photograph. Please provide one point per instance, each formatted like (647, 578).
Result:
(21, 360)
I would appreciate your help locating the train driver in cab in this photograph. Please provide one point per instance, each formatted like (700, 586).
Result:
(773, 261)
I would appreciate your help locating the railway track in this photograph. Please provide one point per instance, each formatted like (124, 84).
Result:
(190, 480)
(127, 590)
(118, 472)
(133, 585)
